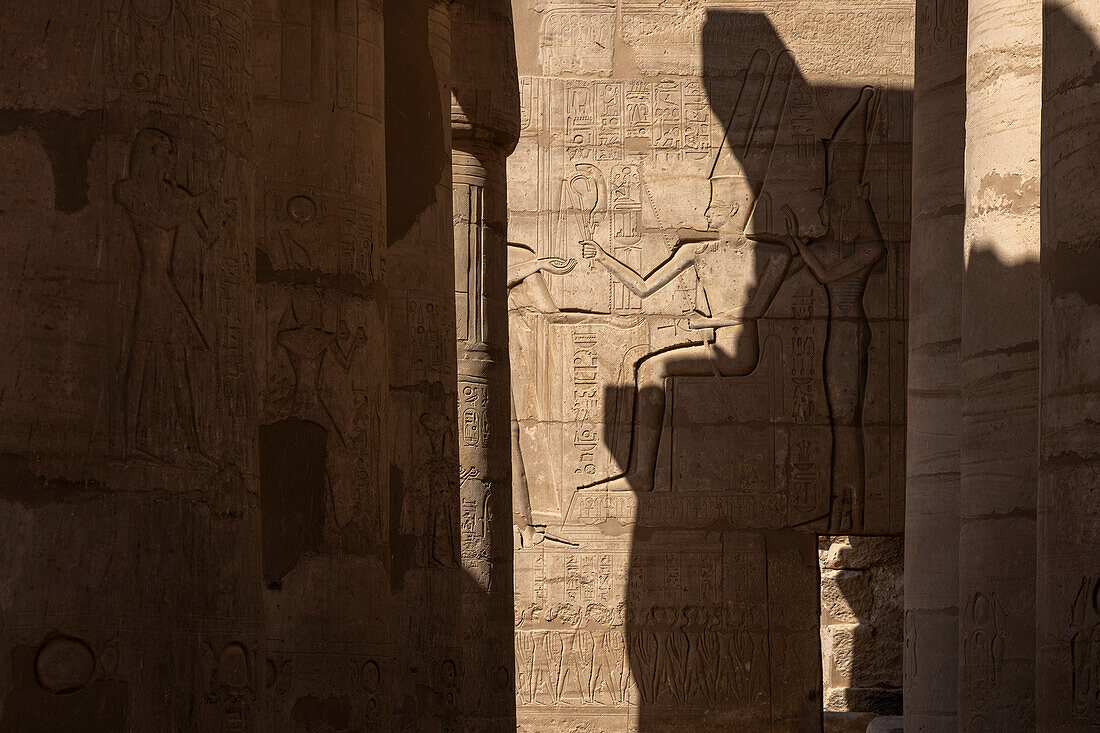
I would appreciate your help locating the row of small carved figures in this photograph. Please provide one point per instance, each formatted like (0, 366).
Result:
(653, 666)
(729, 614)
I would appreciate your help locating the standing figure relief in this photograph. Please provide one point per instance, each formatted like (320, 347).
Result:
(166, 333)
(841, 259)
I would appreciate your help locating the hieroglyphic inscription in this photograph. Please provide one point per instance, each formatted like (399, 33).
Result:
(313, 229)
(424, 318)
(283, 53)
(579, 41)
(176, 54)
(706, 352)
(585, 402)
(605, 120)
(674, 632)
(360, 83)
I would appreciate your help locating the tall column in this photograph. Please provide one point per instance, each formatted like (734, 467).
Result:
(1068, 592)
(426, 573)
(1000, 379)
(934, 417)
(485, 129)
(324, 458)
(129, 522)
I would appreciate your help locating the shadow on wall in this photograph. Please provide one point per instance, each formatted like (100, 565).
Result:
(730, 468)
(1068, 664)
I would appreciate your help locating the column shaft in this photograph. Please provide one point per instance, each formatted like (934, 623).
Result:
(130, 525)
(484, 447)
(1068, 589)
(324, 451)
(1000, 379)
(426, 572)
(935, 294)
(485, 129)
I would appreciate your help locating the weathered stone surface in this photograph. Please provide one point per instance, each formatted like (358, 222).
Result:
(705, 347)
(861, 623)
(934, 402)
(273, 296)
(1068, 590)
(1000, 367)
(846, 722)
(324, 460)
(130, 528)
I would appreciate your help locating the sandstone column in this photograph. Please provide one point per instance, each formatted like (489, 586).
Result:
(1067, 676)
(130, 534)
(426, 574)
(485, 129)
(935, 293)
(1000, 380)
(324, 459)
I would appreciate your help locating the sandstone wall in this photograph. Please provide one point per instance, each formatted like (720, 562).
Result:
(696, 393)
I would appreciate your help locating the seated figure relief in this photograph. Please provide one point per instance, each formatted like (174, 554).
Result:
(739, 273)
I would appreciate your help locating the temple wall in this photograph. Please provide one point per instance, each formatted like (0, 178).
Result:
(681, 440)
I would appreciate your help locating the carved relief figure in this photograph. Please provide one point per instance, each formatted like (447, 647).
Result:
(166, 333)
(842, 259)
(306, 340)
(1085, 649)
(426, 511)
(738, 280)
(531, 296)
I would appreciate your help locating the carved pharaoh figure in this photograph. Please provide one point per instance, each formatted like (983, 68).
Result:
(738, 279)
(166, 332)
(842, 259)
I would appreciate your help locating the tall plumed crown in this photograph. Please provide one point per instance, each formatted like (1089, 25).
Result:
(846, 152)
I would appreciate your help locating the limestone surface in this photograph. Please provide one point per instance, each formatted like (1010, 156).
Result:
(709, 217)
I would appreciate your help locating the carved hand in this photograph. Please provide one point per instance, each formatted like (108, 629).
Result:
(791, 221)
(557, 266)
(591, 251)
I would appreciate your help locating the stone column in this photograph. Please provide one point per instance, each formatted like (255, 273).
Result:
(935, 295)
(1000, 379)
(324, 458)
(129, 522)
(1068, 589)
(485, 129)
(426, 573)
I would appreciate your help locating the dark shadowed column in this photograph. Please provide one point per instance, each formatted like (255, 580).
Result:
(129, 522)
(935, 294)
(321, 350)
(1000, 376)
(426, 576)
(485, 129)
(1068, 591)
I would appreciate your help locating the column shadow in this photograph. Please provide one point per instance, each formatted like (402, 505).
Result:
(746, 445)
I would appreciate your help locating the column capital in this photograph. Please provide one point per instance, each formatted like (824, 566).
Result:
(485, 84)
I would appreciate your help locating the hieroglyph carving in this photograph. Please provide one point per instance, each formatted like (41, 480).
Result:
(176, 54)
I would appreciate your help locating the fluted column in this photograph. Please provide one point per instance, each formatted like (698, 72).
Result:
(485, 129)
(1068, 590)
(1000, 379)
(935, 294)
(129, 523)
(324, 450)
